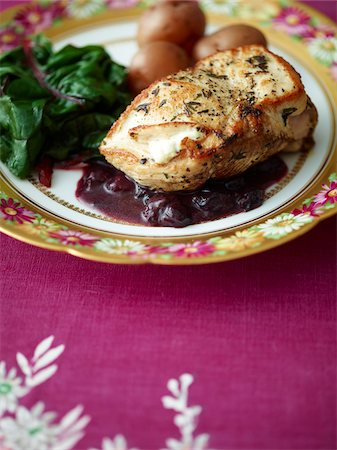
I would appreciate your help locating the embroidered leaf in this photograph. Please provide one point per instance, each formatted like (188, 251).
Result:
(23, 364)
(172, 403)
(186, 380)
(41, 376)
(68, 443)
(201, 441)
(79, 425)
(48, 357)
(173, 444)
(71, 417)
(43, 347)
(172, 386)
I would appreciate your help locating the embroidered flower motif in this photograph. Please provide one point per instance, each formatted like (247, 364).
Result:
(84, 8)
(293, 21)
(41, 226)
(9, 38)
(228, 7)
(119, 443)
(10, 389)
(119, 247)
(114, 4)
(29, 429)
(34, 18)
(327, 194)
(14, 212)
(186, 417)
(241, 240)
(283, 224)
(196, 249)
(324, 49)
(312, 209)
(69, 237)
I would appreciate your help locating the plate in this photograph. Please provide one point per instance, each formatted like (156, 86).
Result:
(54, 219)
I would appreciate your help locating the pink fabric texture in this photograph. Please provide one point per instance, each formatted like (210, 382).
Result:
(258, 335)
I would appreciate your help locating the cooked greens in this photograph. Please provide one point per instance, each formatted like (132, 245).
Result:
(56, 102)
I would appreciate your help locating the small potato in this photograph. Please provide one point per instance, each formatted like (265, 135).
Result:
(154, 61)
(180, 22)
(227, 38)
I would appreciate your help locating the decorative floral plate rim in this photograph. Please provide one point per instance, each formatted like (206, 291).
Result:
(313, 34)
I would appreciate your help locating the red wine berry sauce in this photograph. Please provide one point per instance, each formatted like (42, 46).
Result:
(110, 192)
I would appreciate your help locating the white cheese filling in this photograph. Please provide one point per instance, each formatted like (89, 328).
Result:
(162, 150)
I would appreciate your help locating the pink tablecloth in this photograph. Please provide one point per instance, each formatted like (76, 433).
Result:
(258, 335)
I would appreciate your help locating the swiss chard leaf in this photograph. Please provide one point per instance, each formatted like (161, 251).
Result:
(56, 102)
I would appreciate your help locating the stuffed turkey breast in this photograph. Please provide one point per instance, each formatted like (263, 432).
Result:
(230, 111)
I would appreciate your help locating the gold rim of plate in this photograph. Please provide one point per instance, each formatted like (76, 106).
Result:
(280, 39)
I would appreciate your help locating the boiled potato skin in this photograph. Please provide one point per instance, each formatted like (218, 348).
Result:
(179, 22)
(154, 61)
(226, 38)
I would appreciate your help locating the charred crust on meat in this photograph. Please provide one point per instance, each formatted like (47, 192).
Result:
(249, 110)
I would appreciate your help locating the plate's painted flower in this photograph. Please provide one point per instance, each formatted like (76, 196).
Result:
(283, 224)
(14, 212)
(29, 429)
(321, 31)
(34, 18)
(197, 248)
(324, 49)
(69, 237)
(228, 7)
(41, 226)
(254, 11)
(120, 247)
(293, 21)
(121, 3)
(241, 240)
(10, 389)
(9, 38)
(327, 194)
(84, 8)
(313, 209)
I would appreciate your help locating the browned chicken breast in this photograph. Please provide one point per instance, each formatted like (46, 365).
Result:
(230, 111)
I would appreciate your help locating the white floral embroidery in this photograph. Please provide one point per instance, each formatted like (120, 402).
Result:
(119, 443)
(119, 247)
(29, 429)
(34, 429)
(186, 419)
(37, 429)
(10, 389)
(36, 369)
